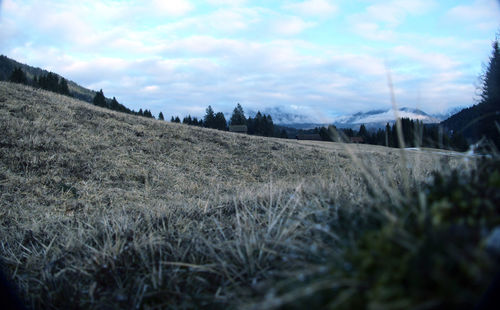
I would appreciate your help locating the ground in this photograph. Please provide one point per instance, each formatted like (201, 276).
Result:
(101, 209)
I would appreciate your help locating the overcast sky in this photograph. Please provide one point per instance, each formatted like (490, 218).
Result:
(317, 57)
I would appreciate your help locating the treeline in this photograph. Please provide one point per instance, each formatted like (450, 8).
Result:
(49, 81)
(413, 134)
(260, 125)
(52, 82)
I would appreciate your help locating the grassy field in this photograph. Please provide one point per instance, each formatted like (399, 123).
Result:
(104, 210)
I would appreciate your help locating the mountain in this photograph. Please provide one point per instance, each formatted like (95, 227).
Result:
(7, 65)
(379, 118)
(448, 113)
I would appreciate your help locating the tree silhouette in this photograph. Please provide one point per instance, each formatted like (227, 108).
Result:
(160, 116)
(238, 117)
(63, 87)
(209, 118)
(18, 76)
(220, 121)
(489, 106)
(114, 105)
(100, 100)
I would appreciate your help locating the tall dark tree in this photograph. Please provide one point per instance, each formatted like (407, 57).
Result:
(209, 118)
(238, 117)
(363, 133)
(220, 121)
(63, 87)
(114, 105)
(160, 116)
(18, 76)
(100, 100)
(489, 127)
(177, 119)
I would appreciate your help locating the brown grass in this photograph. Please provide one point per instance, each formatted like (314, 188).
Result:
(100, 209)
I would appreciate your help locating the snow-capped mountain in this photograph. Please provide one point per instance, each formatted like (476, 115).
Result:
(379, 118)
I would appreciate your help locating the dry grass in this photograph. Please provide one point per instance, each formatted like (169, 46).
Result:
(105, 210)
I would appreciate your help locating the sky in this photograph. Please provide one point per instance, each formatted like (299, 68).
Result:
(320, 58)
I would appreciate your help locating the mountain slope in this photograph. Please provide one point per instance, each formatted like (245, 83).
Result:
(8, 65)
(379, 118)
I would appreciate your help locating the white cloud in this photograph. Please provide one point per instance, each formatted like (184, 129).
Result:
(227, 2)
(313, 7)
(171, 7)
(291, 26)
(379, 21)
(434, 61)
(482, 14)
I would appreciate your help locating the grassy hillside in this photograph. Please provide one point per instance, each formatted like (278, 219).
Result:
(100, 209)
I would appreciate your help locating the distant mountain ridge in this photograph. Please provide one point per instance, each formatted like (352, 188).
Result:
(379, 118)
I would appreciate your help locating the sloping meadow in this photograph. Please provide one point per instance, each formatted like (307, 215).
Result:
(106, 210)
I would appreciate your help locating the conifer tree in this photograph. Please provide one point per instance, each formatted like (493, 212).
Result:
(220, 121)
(489, 106)
(209, 118)
(160, 116)
(18, 76)
(63, 87)
(177, 119)
(99, 99)
(238, 117)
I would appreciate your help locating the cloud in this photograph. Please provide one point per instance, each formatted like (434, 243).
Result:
(434, 61)
(227, 2)
(291, 26)
(180, 56)
(380, 20)
(172, 7)
(313, 7)
(482, 14)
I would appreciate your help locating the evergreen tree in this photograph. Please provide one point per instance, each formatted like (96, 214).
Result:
(220, 121)
(63, 87)
(160, 116)
(187, 120)
(18, 76)
(140, 113)
(489, 126)
(363, 133)
(177, 119)
(209, 118)
(238, 117)
(114, 105)
(100, 100)
(172, 120)
(268, 125)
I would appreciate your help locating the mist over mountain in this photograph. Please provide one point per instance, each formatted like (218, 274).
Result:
(289, 116)
(379, 118)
